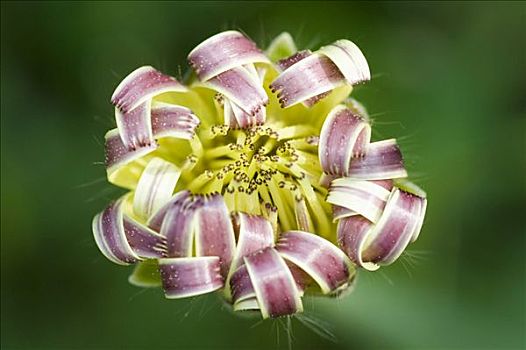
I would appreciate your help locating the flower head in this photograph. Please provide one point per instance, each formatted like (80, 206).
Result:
(257, 177)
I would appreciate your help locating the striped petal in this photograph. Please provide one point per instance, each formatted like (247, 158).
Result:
(187, 277)
(396, 228)
(343, 136)
(311, 76)
(178, 226)
(371, 245)
(145, 242)
(276, 290)
(170, 120)
(253, 233)
(156, 220)
(241, 286)
(122, 239)
(362, 197)
(135, 126)
(349, 59)
(108, 230)
(322, 260)
(382, 160)
(352, 233)
(155, 187)
(223, 52)
(240, 87)
(118, 154)
(307, 78)
(214, 235)
(142, 85)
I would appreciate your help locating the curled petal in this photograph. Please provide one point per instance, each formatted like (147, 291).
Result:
(141, 85)
(349, 59)
(214, 235)
(170, 120)
(186, 277)
(223, 52)
(308, 78)
(241, 87)
(369, 245)
(396, 228)
(155, 187)
(253, 233)
(241, 286)
(145, 242)
(352, 234)
(276, 290)
(118, 154)
(361, 197)
(178, 226)
(322, 260)
(293, 59)
(156, 220)
(122, 239)
(135, 126)
(382, 160)
(343, 135)
(244, 119)
(108, 230)
(420, 222)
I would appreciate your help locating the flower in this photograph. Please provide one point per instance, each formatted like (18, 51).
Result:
(258, 177)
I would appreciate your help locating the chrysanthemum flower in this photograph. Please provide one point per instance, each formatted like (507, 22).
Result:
(258, 177)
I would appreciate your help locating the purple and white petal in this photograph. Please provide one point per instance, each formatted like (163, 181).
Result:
(241, 287)
(343, 136)
(187, 277)
(253, 233)
(285, 63)
(322, 260)
(293, 59)
(142, 85)
(145, 242)
(240, 87)
(169, 120)
(382, 160)
(244, 119)
(214, 235)
(110, 236)
(223, 52)
(395, 229)
(156, 220)
(349, 59)
(365, 198)
(420, 222)
(275, 288)
(352, 234)
(178, 226)
(135, 127)
(311, 76)
(118, 154)
(155, 187)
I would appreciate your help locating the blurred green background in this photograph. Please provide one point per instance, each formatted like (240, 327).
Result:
(448, 80)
